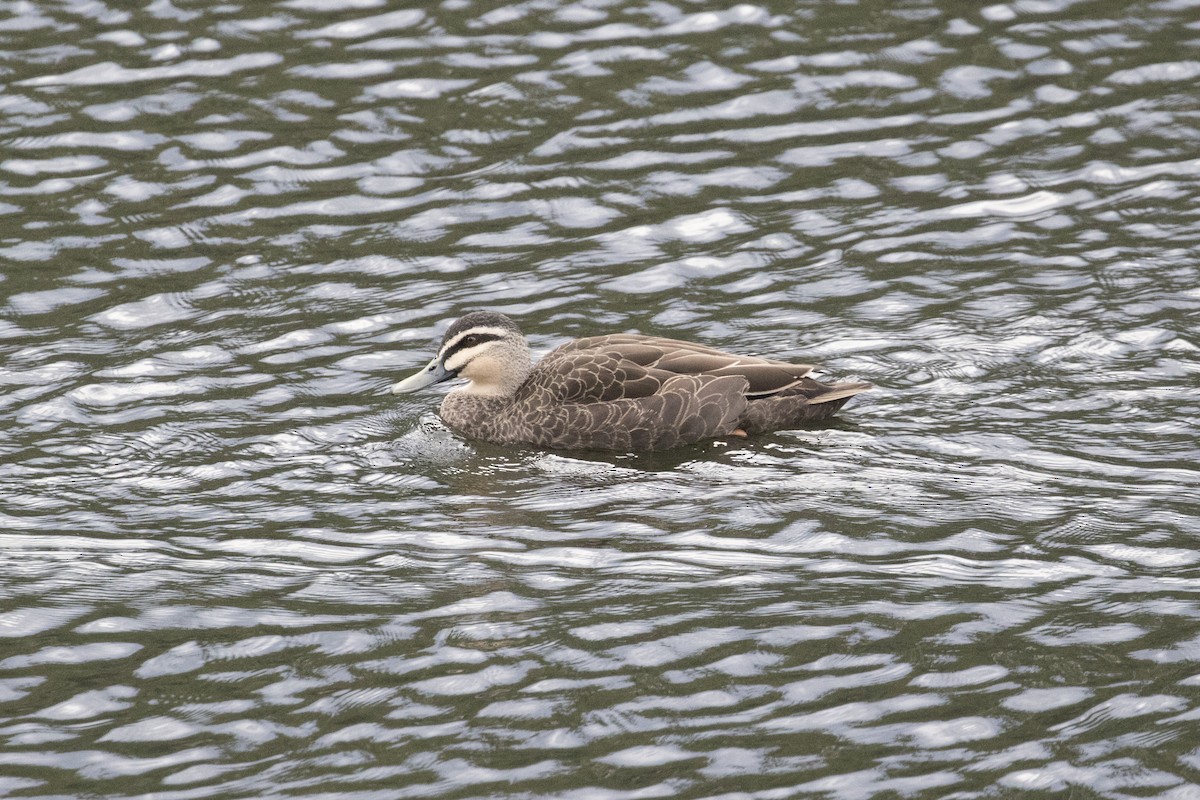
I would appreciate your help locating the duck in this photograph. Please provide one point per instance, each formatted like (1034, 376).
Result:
(618, 392)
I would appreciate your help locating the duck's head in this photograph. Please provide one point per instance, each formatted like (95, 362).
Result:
(484, 347)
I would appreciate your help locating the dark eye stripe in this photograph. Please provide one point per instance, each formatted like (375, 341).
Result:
(471, 340)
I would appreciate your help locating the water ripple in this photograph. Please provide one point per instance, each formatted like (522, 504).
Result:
(235, 566)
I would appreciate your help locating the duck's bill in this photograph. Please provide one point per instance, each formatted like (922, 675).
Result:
(434, 373)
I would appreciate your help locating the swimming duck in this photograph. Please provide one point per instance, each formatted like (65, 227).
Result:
(623, 391)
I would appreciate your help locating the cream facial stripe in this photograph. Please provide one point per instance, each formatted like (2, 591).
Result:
(481, 335)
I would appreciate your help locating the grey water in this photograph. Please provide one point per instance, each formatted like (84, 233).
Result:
(232, 565)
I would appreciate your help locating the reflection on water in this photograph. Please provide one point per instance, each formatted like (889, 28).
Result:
(234, 566)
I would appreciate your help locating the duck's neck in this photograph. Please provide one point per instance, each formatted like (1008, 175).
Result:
(472, 413)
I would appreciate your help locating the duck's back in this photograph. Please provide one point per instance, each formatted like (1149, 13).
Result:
(675, 357)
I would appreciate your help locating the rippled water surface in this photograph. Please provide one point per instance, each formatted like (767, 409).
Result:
(234, 566)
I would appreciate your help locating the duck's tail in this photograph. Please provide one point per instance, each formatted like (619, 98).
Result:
(839, 391)
(813, 401)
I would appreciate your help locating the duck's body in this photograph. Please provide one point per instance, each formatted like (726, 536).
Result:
(618, 392)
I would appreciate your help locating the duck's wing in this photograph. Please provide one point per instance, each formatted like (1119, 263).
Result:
(630, 392)
(599, 401)
(656, 354)
(568, 375)
(597, 398)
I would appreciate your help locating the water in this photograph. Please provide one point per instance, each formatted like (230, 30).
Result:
(234, 566)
